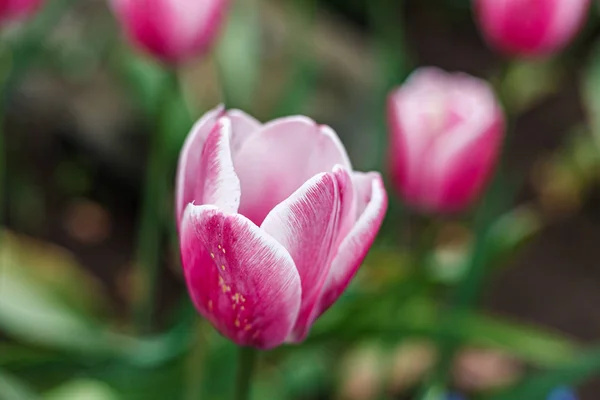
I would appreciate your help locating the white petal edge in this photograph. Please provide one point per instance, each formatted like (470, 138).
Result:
(193, 144)
(355, 246)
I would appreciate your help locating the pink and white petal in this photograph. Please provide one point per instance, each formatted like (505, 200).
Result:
(471, 146)
(194, 25)
(280, 158)
(305, 224)
(461, 174)
(144, 25)
(243, 125)
(239, 278)
(348, 203)
(221, 186)
(415, 113)
(217, 183)
(356, 245)
(188, 169)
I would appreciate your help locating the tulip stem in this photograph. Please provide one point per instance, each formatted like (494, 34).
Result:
(469, 288)
(153, 206)
(246, 363)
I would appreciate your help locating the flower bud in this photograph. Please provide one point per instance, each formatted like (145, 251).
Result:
(530, 28)
(445, 135)
(18, 9)
(172, 30)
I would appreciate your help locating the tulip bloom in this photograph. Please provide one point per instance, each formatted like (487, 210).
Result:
(172, 30)
(445, 134)
(273, 223)
(530, 27)
(17, 9)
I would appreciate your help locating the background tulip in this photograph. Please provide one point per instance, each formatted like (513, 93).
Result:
(172, 30)
(18, 9)
(273, 223)
(530, 27)
(445, 135)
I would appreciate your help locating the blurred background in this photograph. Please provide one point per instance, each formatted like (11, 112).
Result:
(79, 112)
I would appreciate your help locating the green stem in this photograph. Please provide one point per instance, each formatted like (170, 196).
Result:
(500, 193)
(154, 197)
(466, 294)
(469, 288)
(246, 363)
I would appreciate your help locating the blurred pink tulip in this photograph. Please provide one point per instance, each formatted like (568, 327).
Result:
(530, 27)
(18, 9)
(172, 30)
(273, 223)
(445, 134)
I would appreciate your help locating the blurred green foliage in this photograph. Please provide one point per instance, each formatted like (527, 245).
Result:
(64, 341)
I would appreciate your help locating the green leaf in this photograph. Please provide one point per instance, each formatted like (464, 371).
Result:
(420, 318)
(539, 385)
(529, 343)
(12, 388)
(78, 389)
(508, 234)
(166, 381)
(31, 310)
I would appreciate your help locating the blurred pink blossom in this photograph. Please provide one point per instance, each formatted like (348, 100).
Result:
(172, 30)
(445, 135)
(18, 9)
(530, 27)
(273, 223)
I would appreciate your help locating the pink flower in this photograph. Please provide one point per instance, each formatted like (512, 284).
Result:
(530, 27)
(172, 30)
(18, 9)
(445, 135)
(273, 223)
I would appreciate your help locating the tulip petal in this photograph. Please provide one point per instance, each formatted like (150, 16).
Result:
(305, 224)
(433, 118)
(221, 184)
(280, 158)
(172, 30)
(416, 113)
(241, 279)
(189, 187)
(462, 174)
(466, 154)
(218, 184)
(372, 205)
(143, 22)
(243, 125)
(194, 25)
(348, 203)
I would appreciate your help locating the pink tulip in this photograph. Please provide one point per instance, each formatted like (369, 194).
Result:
(530, 27)
(273, 223)
(18, 9)
(445, 135)
(172, 30)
